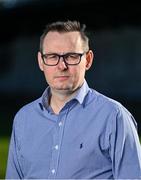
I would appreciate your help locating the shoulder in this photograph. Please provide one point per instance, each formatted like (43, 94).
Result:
(122, 114)
(108, 105)
(114, 115)
(103, 100)
(30, 106)
(27, 111)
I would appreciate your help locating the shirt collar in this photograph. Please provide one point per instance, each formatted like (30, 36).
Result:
(45, 97)
(82, 92)
(80, 95)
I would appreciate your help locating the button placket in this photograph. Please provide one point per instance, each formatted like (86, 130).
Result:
(53, 171)
(57, 138)
(60, 124)
(56, 147)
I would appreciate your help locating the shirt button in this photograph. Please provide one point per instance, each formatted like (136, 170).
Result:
(60, 124)
(53, 171)
(56, 147)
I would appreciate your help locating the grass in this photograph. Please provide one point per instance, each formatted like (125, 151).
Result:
(4, 143)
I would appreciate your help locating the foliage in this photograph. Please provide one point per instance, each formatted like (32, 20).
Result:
(4, 143)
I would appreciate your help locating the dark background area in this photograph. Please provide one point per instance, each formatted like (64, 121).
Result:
(115, 30)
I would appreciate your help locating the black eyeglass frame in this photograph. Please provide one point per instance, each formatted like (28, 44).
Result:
(64, 56)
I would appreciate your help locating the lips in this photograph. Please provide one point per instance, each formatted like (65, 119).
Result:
(62, 77)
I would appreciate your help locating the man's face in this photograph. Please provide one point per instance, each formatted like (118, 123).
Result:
(62, 77)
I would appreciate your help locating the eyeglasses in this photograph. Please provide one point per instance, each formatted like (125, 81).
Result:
(70, 58)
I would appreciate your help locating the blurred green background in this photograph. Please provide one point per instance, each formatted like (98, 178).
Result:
(4, 143)
(5, 133)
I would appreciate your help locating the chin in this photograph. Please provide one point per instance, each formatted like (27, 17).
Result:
(64, 87)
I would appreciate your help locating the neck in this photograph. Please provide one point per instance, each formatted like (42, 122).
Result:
(58, 100)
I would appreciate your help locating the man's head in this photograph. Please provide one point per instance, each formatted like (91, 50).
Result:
(64, 27)
(64, 55)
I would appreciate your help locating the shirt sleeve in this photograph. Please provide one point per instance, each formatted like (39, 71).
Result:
(125, 147)
(13, 170)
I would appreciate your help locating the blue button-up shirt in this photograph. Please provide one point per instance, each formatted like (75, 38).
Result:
(92, 137)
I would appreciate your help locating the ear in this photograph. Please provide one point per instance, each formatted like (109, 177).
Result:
(40, 61)
(89, 59)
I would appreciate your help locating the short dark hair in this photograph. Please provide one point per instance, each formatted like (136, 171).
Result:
(66, 26)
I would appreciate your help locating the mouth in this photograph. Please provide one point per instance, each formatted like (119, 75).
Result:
(62, 78)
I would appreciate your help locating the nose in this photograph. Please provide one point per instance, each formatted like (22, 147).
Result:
(62, 64)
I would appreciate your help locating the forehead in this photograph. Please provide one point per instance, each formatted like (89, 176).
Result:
(66, 41)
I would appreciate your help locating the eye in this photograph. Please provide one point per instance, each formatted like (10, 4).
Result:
(73, 56)
(52, 56)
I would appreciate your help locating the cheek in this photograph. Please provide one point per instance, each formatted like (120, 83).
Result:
(78, 73)
(82, 69)
(48, 73)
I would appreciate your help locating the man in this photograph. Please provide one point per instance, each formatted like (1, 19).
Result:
(72, 131)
